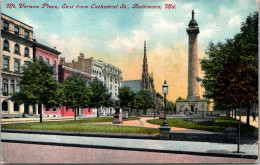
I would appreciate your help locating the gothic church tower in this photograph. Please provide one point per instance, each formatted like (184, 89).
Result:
(147, 80)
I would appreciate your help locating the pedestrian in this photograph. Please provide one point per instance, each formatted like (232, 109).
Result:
(254, 116)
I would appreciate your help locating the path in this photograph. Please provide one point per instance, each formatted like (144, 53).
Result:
(142, 122)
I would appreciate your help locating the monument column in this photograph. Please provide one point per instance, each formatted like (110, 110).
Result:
(193, 70)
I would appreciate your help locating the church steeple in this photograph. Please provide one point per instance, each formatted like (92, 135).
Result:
(145, 64)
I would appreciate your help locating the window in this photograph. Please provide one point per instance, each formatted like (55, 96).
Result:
(16, 30)
(47, 61)
(6, 64)
(16, 106)
(12, 87)
(17, 66)
(26, 63)
(110, 86)
(4, 106)
(40, 58)
(26, 34)
(54, 109)
(115, 94)
(115, 88)
(16, 49)
(17, 89)
(115, 81)
(110, 79)
(47, 108)
(5, 87)
(26, 52)
(54, 68)
(6, 45)
(6, 26)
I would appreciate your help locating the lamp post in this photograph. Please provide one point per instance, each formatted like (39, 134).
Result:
(165, 92)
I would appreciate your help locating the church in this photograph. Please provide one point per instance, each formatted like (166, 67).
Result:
(146, 83)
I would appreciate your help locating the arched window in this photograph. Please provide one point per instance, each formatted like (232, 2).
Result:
(4, 106)
(26, 52)
(16, 106)
(6, 45)
(16, 49)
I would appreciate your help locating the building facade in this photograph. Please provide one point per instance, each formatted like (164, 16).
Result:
(109, 75)
(49, 56)
(17, 51)
(65, 71)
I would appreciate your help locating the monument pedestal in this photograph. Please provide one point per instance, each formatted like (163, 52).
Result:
(118, 118)
(161, 116)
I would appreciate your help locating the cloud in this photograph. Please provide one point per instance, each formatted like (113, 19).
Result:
(66, 45)
(234, 21)
(128, 44)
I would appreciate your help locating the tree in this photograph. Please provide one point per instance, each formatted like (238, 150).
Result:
(38, 86)
(125, 96)
(100, 96)
(231, 71)
(180, 98)
(77, 95)
(143, 100)
(170, 106)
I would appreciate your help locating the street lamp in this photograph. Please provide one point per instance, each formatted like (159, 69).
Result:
(165, 92)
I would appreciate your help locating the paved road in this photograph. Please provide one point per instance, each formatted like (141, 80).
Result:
(34, 153)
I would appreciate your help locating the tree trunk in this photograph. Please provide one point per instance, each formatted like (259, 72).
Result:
(40, 113)
(248, 116)
(75, 109)
(97, 113)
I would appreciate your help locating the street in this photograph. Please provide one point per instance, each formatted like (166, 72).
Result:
(34, 153)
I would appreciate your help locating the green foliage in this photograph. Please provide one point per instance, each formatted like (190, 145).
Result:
(38, 86)
(170, 106)
(100, 96)
(143, 100)
(221, 123)
(180, 98)
(76, 93)
(84, 126)
(125, 96)
(231, 71)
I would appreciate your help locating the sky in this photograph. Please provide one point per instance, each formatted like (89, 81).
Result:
(117, 36)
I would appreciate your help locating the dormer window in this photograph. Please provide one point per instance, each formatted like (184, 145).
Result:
(16, 49)
(6, 26)
(16, 31)
(26, 34)
(26, 52)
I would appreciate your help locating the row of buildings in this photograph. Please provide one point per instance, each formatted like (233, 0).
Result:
(19, 47)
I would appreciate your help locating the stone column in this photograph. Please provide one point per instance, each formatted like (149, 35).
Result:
(193, 70)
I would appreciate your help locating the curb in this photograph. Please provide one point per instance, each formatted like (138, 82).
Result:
(89, 134)
(230, 155)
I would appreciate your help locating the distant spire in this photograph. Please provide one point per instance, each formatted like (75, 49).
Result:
(192, 14)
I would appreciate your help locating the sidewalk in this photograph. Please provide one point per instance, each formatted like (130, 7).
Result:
(184, 147)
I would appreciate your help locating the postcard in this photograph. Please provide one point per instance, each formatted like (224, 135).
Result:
(129, 81)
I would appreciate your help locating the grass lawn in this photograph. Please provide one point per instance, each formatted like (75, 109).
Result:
(219, 126)
(84, 126)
